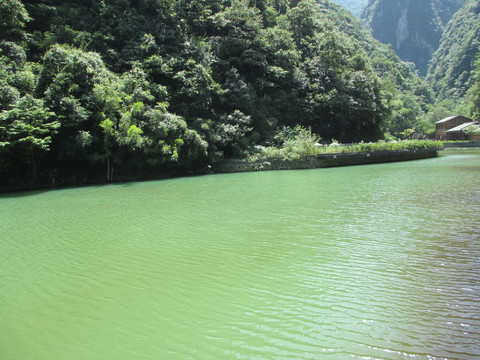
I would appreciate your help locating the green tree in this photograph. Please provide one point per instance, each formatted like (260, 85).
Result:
(303, 21)
(406, 112)
(27, 129)
(195, 91)
(300, 140)
(67, 84)
(472, 130)
(108, 142)
(14, 17)
(17, 76)
(231, 133)
(239, 46)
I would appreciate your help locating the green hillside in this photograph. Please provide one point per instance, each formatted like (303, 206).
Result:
(451, 65)
(101, 90)
(354, 6)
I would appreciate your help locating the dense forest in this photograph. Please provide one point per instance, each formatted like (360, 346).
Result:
(451, 65)
(118, 89)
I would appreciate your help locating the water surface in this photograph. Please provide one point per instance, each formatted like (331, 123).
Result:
(362, 262)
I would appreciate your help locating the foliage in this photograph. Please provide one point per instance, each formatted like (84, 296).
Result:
(26, 129)
(472, 130)
(28, 124)
(355, 6)
(291, 144)
(452, 64)
(148, 88)
(407, 145)
(296, 150)
(14, 17)
(299, 140)
(473, 98)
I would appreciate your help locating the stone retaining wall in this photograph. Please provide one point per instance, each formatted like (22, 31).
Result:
(324, 161)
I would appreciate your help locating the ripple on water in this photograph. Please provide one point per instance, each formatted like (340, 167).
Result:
(361, 262)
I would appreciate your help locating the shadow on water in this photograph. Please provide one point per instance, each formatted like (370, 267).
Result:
(21, 194)
(30, 193)
(453, 154)
(10, 194)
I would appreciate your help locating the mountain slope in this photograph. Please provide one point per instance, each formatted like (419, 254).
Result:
(451, 66)
(413, 28)
(354, 6)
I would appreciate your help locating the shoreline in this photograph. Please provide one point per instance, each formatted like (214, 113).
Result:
(326, 160)
(461, 144)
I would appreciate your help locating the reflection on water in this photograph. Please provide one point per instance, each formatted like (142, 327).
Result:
(367, 262)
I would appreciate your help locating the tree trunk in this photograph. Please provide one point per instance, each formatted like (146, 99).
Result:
(34, 168)
(108, 166)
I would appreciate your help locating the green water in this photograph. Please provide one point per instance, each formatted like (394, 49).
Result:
(365, 262)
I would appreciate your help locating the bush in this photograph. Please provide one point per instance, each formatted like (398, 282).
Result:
(293, 150)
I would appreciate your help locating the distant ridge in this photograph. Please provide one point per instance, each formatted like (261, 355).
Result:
(412, 28)
(354, 6)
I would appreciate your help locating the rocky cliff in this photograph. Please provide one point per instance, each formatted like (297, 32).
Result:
(412, 27)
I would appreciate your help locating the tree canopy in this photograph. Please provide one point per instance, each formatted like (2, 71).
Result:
(137, 88)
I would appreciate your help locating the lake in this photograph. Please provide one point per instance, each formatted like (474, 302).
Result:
(364, 262)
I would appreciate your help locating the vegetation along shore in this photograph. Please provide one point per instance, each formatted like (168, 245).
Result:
(101, 91)
(301, 150)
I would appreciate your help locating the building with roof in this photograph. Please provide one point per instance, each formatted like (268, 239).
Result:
(449, 123)
(459, 133)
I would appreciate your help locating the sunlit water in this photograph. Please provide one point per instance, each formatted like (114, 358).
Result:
(365, 262)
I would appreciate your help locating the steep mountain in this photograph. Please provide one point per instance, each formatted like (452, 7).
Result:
(451, 65)
(354, 6)
(413, 28)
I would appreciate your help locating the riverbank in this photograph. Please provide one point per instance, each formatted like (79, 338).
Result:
(325, 160)
(272, 159)
(460, 144)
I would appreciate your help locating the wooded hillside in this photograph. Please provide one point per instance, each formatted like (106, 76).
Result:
(98, 90)
(452, 64)
(354, 6)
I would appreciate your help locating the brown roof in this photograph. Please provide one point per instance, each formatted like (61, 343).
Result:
(450, 118)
